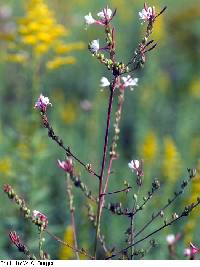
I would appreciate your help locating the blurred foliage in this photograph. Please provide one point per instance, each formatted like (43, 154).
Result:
(160, 118)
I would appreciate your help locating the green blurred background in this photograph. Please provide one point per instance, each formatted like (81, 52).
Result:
(160, 122)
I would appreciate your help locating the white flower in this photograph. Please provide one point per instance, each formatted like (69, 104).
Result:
(170, 239)
(147, 13)
(106, 13)
(128, 81)
(104, 82)
(134, 164)
(89, 19)
(94, 46)
(42, 103)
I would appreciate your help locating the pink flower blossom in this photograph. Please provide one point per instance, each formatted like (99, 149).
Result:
(66, 165)
(7, 188)
(105, 15)
(136, 166)
(37, 215)
(147, 13)
(191, 251)
(42, 103)
(16, 241)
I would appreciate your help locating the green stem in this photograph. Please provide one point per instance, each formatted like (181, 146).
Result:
(40, 245)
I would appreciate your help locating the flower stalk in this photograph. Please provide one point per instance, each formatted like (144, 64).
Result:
(112, 88)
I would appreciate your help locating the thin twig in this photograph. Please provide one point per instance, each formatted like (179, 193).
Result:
(186, 212)
(118, 191)
(72, 217)
(158, 213)
(112, 207)
(132, 218)
(170, 201)
(40, 244)
(155, 187)
(81, 251)
(92, 218)
(59, 141)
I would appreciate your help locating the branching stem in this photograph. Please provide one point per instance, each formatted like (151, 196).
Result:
(183, 214)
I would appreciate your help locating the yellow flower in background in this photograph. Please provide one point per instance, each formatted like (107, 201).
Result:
(68, 113)
(65, 252)
(38, 27)
(41, 49)
(149, 147)
(159, 27)
(59, 61)
(17, 58)
(5, 166)
(164, 82)
(171, 160)
(38, 32)
(29, 39)
(24, 150)
(66, 48)
(194, 88)
(195, 146)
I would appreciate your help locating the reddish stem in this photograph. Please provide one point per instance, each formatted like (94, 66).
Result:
(107, 178)
(112, 88)
(112, 157)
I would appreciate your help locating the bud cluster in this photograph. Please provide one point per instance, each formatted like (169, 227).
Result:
(36, 217)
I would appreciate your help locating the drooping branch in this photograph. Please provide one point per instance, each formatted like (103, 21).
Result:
(59, 141)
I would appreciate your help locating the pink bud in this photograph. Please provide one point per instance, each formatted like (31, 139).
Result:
(37, 215)
(66, 165)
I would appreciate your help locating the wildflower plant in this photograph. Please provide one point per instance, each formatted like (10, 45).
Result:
(123, 78)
